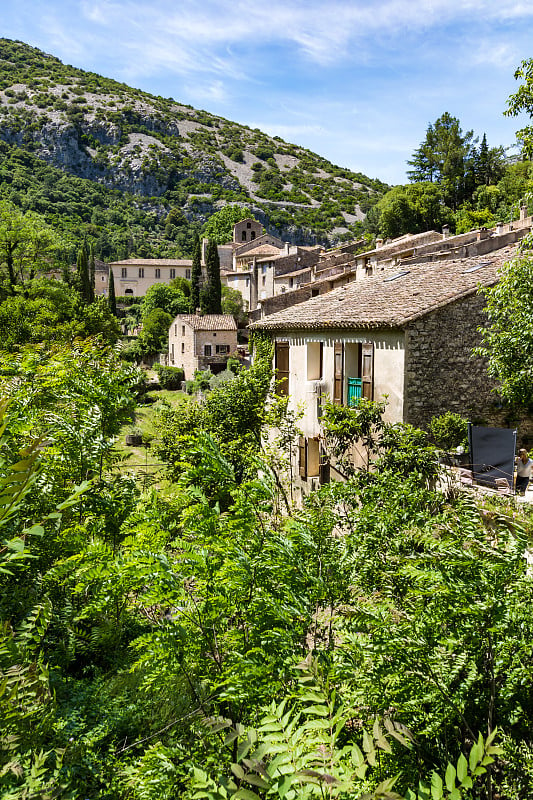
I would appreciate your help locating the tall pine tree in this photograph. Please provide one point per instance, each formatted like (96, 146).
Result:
(211, 294)
(196, 275)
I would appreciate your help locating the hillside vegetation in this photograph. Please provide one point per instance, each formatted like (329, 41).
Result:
(141, 174)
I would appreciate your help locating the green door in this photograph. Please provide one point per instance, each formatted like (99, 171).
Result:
(354, 391)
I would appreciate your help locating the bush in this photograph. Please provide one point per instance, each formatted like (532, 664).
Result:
(169, 377)
(449, 431)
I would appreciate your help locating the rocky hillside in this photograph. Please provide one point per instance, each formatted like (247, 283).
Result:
(169, 158)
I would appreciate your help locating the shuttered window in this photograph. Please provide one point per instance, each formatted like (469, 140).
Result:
(282, 368)
(302, 457)
(367, 370)
(313, 458)
(339, 373)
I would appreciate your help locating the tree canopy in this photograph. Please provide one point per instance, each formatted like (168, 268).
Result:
(219, 226)
(522, 102)
(507, 341)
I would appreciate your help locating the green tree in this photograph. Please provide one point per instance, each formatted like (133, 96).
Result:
(522, 102)
(219, 226)
(196, 276)
(83, 275)
(27, 245)
(412, 208)
(112, 300)
(489, 163)
(233, 303)
(446, 157)
(153, 337)
(92, 269)
(211, 294)
(168, 298)
(507, 341)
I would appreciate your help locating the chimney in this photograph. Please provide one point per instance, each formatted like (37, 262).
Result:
(523, 213)
(287, 248)
(445, 231)
(499, 227)
(482, 234)
(379, 243)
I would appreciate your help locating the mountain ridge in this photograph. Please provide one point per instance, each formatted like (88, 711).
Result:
(170, 155)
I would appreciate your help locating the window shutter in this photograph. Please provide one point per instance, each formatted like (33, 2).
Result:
(367, 370)
(282, 368)
(302, 456)
(324, 470)
(339, 375)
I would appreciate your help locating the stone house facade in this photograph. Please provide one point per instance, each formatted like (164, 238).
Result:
(201, 342)
(134, 276)
(405, 336)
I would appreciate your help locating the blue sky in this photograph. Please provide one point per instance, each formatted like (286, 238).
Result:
(353, 80)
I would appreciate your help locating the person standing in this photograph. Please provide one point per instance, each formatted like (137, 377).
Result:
(524, 466)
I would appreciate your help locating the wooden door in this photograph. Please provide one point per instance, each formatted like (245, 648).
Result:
(367, 370)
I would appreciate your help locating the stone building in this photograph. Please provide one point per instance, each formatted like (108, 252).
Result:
(134, 276)
(403, 335)
(253, 262)
(350, 262)
(201, 342)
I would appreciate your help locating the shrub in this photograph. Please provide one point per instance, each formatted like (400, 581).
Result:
(169, 377)
(449, 431)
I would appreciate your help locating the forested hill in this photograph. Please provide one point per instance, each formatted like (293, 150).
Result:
(116, 163)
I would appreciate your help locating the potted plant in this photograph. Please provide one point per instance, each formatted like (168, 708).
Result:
(134, 437)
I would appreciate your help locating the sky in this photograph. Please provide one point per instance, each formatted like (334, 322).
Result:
(356, 81)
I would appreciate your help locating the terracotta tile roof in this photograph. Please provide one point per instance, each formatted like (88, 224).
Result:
(394, 297)
(262, 250)
(292, 274)
(207, 322)
(152, 262)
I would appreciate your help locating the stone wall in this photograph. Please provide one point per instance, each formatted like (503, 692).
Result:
(441, 374)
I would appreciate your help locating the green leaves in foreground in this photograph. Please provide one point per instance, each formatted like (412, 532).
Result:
(314, 748)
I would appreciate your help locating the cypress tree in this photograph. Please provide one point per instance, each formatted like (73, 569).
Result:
(212, 296)
(92, 270)
(112, 300)
(196, 275)
(83, 279)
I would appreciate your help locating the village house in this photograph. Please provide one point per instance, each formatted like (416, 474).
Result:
(134, 276)
(345, 264)
(404, 335)
(201, 342)
(253, 262)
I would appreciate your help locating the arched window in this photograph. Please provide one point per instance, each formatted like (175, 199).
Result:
(128, 291)
(252, 234)
(243, 236)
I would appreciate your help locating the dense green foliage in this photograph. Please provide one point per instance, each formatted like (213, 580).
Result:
(50, 310)
(144, 625)
(507, 341)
